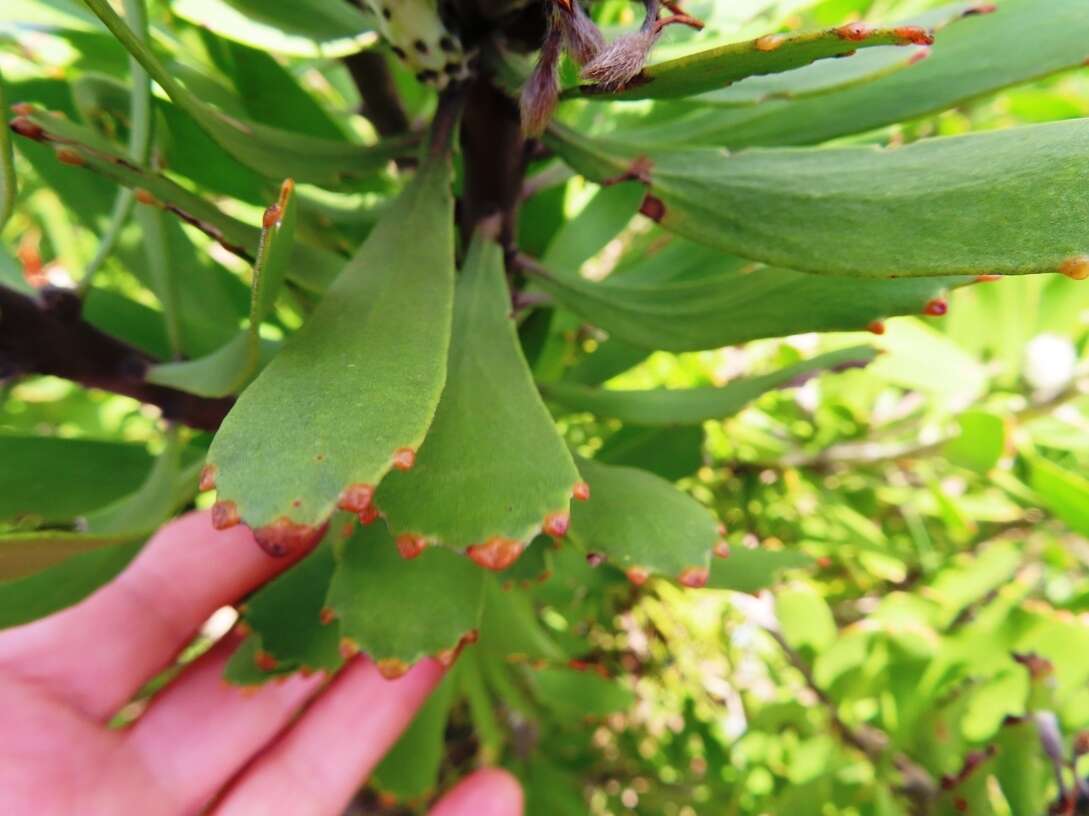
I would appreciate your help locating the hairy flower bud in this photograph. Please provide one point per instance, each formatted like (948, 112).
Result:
(581, 36)
(621, 61)
(542, 90)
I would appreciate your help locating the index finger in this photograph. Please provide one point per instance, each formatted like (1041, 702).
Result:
(97, 654)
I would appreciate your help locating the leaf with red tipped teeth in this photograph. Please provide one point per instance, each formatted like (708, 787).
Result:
(638, 520)
(268, 150)
(227, 370)
(286, 617)
(360, 380)
(688, 297)
(692, 406)
(717, 67)
(979, 56)
(1007, 202)
(411, 769)
(310, 267)
(493, 465)
(393, 609)
(825, 76)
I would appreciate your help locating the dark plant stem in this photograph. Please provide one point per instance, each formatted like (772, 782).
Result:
(381, 104)
(494, 152)
(48, 336)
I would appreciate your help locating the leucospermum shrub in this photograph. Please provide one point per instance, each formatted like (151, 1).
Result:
(389, 338)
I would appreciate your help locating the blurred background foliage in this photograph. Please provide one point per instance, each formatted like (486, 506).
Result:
(924, 520)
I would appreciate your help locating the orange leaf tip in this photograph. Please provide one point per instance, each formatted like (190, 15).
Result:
(404, 458)
(496, 554)
(265, 661)
(556, 525)
(410, 546)
(722, 550)
(694, 577)
(356, 498)
(937, 307)
(285, 537)
(770, 42)
(581, 491)
(876, 327)
(225, 515)
(391, 668)
(208, 478)
(638, 575)
(1076, 268)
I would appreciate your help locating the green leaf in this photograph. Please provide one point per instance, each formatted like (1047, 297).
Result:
(805, 618)
(976, 57)
(25, 554)
(980, 442)
(8, 185)
(306, 28)
(573, 694)
(398, 610)
(603, 217)
(411, 769)
(643, 524)
(310, 267)
(670, 452)
(227, 370)
(66, 583)
(727, 303)
(709, 70)
(937, 207)
(511, 628)
(751, 570)
(837, 74)
(493, 466)
(268, 150)
(1065, 493)
(58, 479)
(287, 622)
(691, 406)
(358, 383)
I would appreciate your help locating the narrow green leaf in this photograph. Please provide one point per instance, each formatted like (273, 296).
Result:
(691, 406)
(983, 54)
(493, 466)
(358, 383)
(1008, 202)
(411, 769)
(511, 628)
(310, 28)
(582, 237)
(399, 611)
(709, 70)
(63, 584)
(25, 554)
(669, 452)
(837, 74)
(573, 694)
(727, 302)
(268, 150)
(311, 267)
(643, 524)
(230, 368)
(8, 184)
(1065, 493)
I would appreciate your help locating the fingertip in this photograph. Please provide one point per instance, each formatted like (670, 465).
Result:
(487, 792)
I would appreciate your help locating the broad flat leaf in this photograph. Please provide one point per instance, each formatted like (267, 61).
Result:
(59, 479)
(411, 768)
(729, 302)
(64, 584)
(7, 166)
(573, 694)
(286, 618)
(227, 370)
(359, 382)
(493, 466)
(397, 610)
(1022, 769)
(311, 267)
(671, 453)
(609, 359)
(805, 618)
(24, 554)
(310, 28)
(691, 406)
(641, 522)
(978, 56)
(836, 74)
(771, 54)
(751, 570)
(268, 150)
(1006, 202)
(1065, 493)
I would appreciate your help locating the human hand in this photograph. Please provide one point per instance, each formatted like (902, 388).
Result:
(296, 748)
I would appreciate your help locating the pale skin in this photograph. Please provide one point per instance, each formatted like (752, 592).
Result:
(301, 747)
